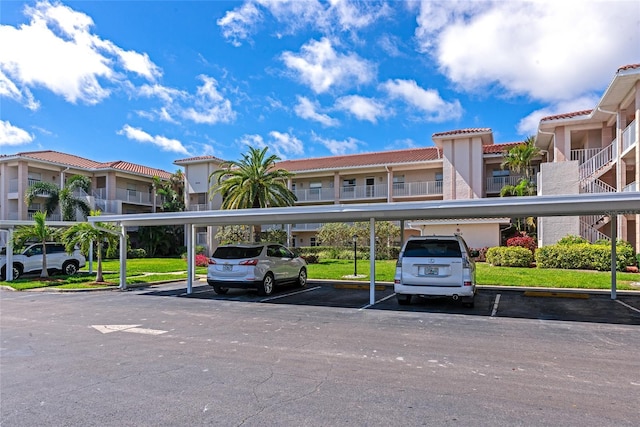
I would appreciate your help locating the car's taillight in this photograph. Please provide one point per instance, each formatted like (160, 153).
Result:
(250, 262)
(467, 283)
(211, 261)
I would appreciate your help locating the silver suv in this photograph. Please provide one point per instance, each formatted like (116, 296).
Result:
(259, 266)
(435, 266)
(29, 260)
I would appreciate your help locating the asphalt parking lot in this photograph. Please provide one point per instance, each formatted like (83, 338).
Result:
(562, 305)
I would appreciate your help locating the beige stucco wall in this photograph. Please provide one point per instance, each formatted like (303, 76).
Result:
(462, 168)
(554, 179)
(476, 235)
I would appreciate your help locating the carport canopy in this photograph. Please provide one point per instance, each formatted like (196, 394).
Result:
(612, 204)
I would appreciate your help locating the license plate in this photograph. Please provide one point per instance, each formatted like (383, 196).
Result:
(227, 267)
(430, 271)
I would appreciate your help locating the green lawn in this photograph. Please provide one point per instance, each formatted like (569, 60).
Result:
(149, 270)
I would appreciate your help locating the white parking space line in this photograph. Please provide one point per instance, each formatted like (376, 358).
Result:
(290, 294)
(495, 306)
(380, 300)
(628, 306)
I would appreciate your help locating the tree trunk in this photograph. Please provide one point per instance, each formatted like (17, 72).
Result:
(45, 272)
(99, 277)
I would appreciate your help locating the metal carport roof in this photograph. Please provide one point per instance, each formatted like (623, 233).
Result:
(542, 206)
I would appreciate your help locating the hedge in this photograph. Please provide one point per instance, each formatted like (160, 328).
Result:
(511, 256)
(584, 256)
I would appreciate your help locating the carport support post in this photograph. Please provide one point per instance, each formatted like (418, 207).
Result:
(8, 270)
(372, 261)
(614, 256)
(91, 257)
(123, 258)
(190, 258)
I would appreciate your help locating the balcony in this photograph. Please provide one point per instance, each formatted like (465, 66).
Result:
(496, 183)
(199, 207)
(629, 136)
(315, 195)
(631, 187)
(378, 191)
(129, 196)
(418, 188)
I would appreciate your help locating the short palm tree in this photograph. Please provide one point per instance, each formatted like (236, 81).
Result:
(61, 197)
(253, 182)
(84, 235)
(38, 231)
(518, 159)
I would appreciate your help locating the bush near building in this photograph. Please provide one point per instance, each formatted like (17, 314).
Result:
(509, 256)
(522, 241)
(572, 253)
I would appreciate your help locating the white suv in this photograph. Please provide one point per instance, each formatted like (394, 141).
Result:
(29, 260)
(435, 266)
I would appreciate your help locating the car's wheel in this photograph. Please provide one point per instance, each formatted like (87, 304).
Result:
(70, 268)
(302, 278)
(403, 299)
(220, 290)
(266, 287)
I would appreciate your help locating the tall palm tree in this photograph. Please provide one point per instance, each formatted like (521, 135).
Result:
(518, 159)
(39, 231)
(253, 182)
(64, 197)
(84, 235)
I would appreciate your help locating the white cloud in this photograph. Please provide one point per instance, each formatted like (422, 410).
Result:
(401, 144)
(321, 67)
(282, 144)
(336, 147)
(548, 50)
(13, 135)
(206, 106)
(239, 23)
(57, 51)
(361, 107)
(428, 101)
(9, 90)
(293, 15)
(390, 43)
(307, 110)
(529, 124)
(164, 143)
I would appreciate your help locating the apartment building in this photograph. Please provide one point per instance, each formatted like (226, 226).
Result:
(464, 164)
(581, 152)
(594, 151)
(117, 187)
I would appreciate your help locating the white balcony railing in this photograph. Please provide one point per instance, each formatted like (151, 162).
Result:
(315, 195)
(497, 183)
(199, 207)
(417, 188)
(599, 161)
(631, 187)
(363, 192)
(629, 136)
(596, 186)
(584, 154)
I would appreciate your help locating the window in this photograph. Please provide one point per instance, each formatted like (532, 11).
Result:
(315, 187)
(202, 198)
(313, 241)
(499, 173)
(349, 184)
(131, 189)
(439, 176)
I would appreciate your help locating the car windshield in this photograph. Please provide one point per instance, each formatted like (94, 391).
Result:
(432, 248)
(236, 252)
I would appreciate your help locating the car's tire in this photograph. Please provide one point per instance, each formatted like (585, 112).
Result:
(70, 268)
(302, 278)
(220, 290)
(266, 287)
(403, 299)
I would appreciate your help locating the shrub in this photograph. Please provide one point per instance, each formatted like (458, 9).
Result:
(511, 256)
(202, 260)
(200, 249)
(526, 242)
(584, 256)
(136, 253)
(571, 239)
(311, 258)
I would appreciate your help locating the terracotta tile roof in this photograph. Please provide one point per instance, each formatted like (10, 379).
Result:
(134, 168)
(197, 159)
(462, 132)
(379, 158)
(567, 115)
(499, 148)
(629, 67)
(82, 163)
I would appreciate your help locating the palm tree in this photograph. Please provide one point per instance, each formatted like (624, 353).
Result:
(39, 231)
(64, 197)
(84, 235)
(253, 182)
(518, 159)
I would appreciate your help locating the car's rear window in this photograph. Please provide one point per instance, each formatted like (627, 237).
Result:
(433, 248)
(235, 252)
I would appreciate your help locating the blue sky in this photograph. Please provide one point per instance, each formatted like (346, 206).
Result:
(151, 82)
